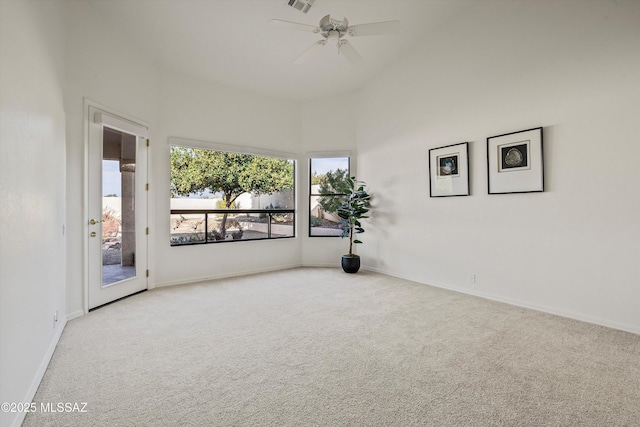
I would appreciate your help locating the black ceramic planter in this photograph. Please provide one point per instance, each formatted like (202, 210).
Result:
(350, 264)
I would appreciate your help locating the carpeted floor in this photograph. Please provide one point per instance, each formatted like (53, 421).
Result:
(318, 347)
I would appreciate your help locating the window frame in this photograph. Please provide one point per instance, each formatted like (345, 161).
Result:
(203, 145)
(325, 155)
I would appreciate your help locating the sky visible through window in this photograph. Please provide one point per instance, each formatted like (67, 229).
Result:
(111, 183)
(321, 166)
(111, 173)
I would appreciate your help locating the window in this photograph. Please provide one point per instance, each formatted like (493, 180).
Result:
(224, 196)
(327, 192)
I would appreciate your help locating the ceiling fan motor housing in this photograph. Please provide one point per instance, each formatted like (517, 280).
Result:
(328, 24)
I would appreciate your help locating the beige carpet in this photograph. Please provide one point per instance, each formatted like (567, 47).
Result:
(318, 347)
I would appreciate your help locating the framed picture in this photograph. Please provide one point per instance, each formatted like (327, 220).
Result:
(449, 170)
(515, 163)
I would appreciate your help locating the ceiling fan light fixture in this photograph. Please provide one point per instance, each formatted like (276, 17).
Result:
(333, 35)
(301, 5)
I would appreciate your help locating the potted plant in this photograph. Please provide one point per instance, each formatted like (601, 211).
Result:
(354, 208)
(217, 235)
(237, 235)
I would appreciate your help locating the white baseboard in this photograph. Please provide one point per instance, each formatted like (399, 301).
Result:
(223, 276)
(518, 303)
(75, 314)
(322, 265)
(44, 364)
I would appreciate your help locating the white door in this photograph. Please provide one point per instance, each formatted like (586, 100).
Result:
(117, 207)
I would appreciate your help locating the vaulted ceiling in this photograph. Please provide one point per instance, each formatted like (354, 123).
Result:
(233, 43)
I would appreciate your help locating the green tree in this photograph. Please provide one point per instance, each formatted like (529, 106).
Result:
(316, 179)
(194, 171)
(332, 186)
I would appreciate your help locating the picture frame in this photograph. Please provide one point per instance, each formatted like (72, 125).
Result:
(515, 162)
(449, 170)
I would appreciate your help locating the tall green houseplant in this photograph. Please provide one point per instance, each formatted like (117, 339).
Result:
(355, 208)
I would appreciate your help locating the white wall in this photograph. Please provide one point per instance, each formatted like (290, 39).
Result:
(214, 114)
(32, 193)
(103, 67)
(328, 125)
(571, 67)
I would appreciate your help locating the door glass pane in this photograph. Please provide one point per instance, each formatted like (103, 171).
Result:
(118, 206)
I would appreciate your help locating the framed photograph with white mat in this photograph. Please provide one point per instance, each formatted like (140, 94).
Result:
(449, 170)
(515, 162)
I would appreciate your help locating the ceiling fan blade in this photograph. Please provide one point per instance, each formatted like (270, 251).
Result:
(304, 55)
(349, 53)
(296, 26)
(375, 29)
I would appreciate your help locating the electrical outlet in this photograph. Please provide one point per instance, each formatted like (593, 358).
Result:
(472, 278)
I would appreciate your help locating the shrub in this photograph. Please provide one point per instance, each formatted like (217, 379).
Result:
(110, 223)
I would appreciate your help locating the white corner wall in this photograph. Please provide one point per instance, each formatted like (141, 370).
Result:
(571, 67)
(200, 110)
(328, 125)
(32, 194)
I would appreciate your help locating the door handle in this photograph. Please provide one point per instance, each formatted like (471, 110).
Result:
(93, 234)
(93, 221)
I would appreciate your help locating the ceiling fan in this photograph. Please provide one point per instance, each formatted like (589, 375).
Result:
(335, 30)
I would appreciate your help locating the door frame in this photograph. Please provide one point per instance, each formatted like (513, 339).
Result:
(88, 104)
